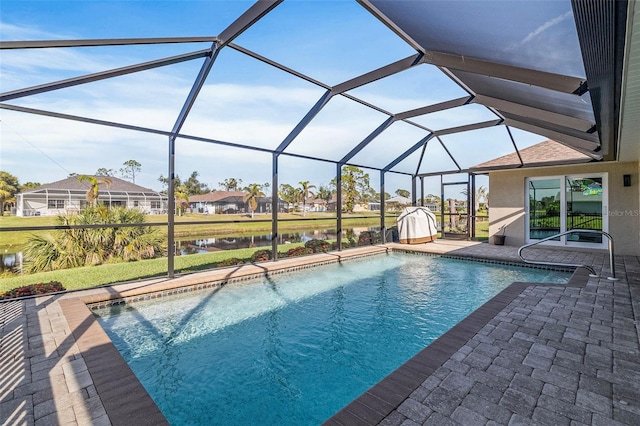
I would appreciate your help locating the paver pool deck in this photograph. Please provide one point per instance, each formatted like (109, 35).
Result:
(534, 354)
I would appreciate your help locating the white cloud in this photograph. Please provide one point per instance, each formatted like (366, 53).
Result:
(27, 32)
(545, 26)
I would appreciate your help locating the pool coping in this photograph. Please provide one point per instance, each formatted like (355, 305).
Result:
(125, 399)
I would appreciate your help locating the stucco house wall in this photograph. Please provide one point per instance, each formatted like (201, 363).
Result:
(507, 201)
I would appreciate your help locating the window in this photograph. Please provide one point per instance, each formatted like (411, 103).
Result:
(562, 203)
(136, 203)
(117, 203)
(55, 204)
(155, 204)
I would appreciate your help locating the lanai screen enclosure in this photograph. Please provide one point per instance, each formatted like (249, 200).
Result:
(517, 67)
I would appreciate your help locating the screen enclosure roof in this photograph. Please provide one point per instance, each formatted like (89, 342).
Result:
(440, 83)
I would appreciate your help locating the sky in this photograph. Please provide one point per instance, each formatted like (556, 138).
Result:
(243, 100)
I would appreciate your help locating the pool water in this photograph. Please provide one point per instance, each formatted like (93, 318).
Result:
(295, 348)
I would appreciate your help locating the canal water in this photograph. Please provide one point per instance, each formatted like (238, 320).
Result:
(207, 243)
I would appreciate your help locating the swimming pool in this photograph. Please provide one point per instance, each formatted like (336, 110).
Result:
(297, 347)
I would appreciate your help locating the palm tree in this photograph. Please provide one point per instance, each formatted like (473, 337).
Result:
(251, 197)
(94, 184)
(306, 193)
(181, 199)
(481, 194)
(325, 195)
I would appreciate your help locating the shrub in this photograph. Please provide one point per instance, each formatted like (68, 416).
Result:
(72, 248)
(298, 251)
(368, 238)
(318, 246)
(33, 289)
(261, 256)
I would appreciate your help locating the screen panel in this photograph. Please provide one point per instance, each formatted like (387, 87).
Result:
(515, 33)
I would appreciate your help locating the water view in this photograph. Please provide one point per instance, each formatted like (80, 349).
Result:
(210, 243)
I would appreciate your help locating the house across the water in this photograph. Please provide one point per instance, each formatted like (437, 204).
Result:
(228, 202)
(69, 195)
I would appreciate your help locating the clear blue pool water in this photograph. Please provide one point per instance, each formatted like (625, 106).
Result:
(295, 348)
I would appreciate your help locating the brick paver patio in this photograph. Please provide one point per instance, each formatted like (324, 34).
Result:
(535, 354)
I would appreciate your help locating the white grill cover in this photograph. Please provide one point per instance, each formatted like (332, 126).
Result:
(417, 225)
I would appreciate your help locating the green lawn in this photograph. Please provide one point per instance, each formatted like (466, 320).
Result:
(92, 276)
(482, 231)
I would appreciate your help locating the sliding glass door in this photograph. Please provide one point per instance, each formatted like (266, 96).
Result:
(584, 207)
(561, 203)
(544, 208)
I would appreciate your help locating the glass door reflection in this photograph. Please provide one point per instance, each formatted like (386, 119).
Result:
(544, 208)
(584, 208)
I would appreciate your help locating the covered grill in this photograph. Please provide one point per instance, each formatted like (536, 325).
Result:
(417, 225)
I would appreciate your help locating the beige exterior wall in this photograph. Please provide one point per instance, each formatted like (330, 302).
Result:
(507, 201)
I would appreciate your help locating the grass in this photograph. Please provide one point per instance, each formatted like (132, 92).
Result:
(482, 231)
(92, 276)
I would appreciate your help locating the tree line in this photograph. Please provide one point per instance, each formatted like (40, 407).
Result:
(356, 189)
(9, 187)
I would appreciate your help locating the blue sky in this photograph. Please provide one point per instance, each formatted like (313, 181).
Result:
(243, 101)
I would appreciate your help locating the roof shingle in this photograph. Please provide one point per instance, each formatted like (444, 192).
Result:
(72, 183)
(544, 153)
